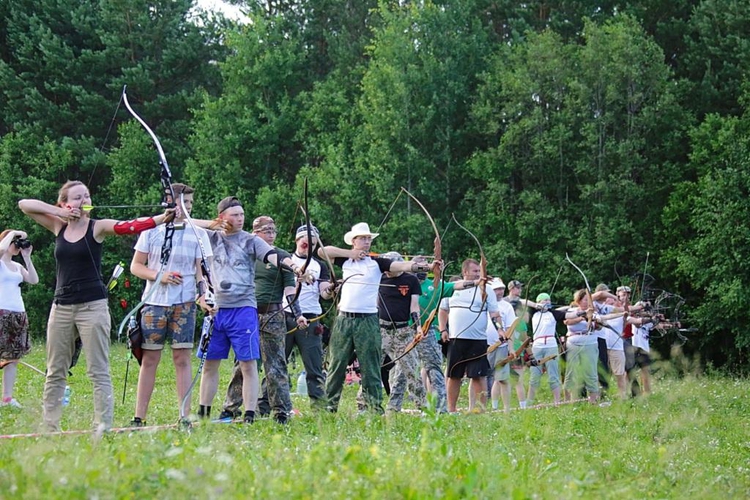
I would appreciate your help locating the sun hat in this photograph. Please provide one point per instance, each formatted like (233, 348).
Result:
(359, 229)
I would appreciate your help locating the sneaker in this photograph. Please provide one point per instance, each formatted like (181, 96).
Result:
(137, 422)
(228, 415)
(249, 417)
(11, 402)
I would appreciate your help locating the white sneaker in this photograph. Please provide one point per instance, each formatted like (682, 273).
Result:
(12, 403)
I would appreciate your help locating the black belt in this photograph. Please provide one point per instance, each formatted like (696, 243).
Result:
(77, 287)
(393, 324)
(267, 308)
(355, 315)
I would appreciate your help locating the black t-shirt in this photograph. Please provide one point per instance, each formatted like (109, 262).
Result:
(394, 302)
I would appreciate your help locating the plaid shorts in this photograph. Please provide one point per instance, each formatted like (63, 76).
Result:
(162, 323)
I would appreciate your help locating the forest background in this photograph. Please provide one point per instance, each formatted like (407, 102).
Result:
(614, 131)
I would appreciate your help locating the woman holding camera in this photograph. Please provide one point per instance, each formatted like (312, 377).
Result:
(14, 325)
(80, 304)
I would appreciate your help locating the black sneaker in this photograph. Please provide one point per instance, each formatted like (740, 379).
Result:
(137, 422)
(249, 417)
(281, 418)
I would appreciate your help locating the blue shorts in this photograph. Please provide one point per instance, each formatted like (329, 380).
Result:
(236, 328)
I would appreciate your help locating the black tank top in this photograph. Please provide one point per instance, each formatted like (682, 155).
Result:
(79, 268)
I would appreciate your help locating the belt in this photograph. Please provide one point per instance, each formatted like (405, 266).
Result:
(78, 287)
(574, 334)
(355, 315)
(267, 308)
(393, 324)
(544, 337)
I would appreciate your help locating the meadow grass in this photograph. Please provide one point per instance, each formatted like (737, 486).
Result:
(689, 439)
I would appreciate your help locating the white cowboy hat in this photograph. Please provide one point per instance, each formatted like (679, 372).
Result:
(359, 229)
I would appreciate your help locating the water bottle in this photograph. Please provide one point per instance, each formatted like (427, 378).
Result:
(66, 395)
(302, 384)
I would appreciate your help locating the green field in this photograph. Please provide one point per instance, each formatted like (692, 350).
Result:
(689, 439)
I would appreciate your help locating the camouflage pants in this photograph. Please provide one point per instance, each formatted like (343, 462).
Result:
(363, 335)
(406, 369)
(275, 383)
(432, 361)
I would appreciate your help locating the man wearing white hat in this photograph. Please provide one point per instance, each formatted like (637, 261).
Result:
(357, 327)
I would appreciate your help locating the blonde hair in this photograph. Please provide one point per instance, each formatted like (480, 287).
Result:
(578, 296)
(465, 265)
(62, 195)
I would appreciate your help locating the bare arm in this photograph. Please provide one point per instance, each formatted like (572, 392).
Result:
(331, 252)
(6, 242)
(443, 324)
(29, 272)
(48, 216)
(138, 267)
(325, 289)
(603, 295)
(464, 284)
(414, 309)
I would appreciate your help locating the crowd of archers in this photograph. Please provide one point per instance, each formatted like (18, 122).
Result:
(407, 332)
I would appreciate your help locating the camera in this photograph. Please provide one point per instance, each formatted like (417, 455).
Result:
(21, 243)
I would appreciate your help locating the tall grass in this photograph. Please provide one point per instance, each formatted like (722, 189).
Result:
(689, 439)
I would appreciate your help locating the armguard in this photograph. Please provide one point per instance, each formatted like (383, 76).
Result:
(294, 306)
(134, 226)
(415, 318)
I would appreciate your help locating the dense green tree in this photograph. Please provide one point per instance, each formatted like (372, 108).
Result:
(578, 134)
(414, 108)
(247, 137)
(63, 65)
(709, 240)
(717, 56)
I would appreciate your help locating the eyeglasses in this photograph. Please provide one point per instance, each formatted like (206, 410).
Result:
(269, 231)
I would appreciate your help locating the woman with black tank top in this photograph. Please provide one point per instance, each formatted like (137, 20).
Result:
(80, 304)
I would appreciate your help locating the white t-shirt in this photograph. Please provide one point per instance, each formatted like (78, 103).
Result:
(577, 334)
(359, 294)
(544, 325)
(185, 251)
(309, 295)
(640, 336)
(507, 317)
(468, 314)
(602, 308)
(614, 338)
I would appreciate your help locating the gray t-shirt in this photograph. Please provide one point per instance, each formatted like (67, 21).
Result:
(233, 267)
